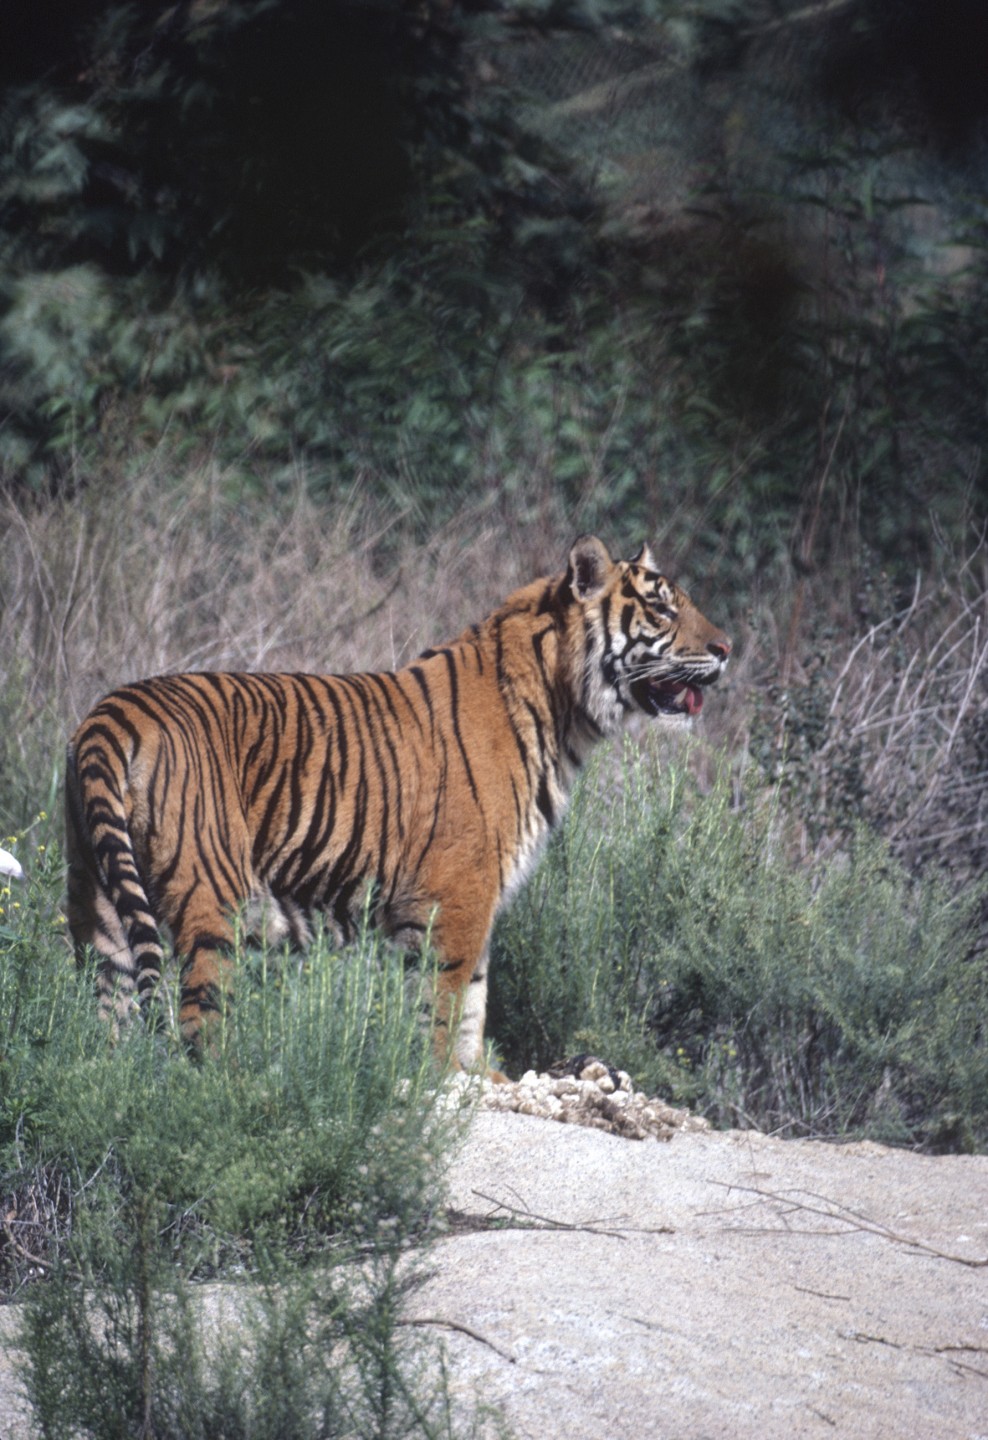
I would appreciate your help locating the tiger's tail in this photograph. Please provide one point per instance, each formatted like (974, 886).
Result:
(109, 913)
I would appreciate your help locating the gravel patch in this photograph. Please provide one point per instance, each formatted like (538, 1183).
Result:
(582, 1091)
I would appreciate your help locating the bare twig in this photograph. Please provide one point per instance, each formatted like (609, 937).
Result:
(522, 1214)
(462, 1329)
(799, 17)
(934, 1351)
(853, 1219)
(19, 1249)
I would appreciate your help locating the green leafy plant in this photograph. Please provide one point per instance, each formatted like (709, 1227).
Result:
(686, 944)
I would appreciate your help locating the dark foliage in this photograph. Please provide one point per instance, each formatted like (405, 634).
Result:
(413, 242)
(924, 61)
(252, 137)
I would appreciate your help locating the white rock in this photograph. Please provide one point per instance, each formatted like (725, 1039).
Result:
(593, 1071)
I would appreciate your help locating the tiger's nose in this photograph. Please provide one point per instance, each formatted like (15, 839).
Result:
(720, 648)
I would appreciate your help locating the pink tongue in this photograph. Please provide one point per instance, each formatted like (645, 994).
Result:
(694, 700)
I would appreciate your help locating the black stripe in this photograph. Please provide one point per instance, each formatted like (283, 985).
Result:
(454, 696)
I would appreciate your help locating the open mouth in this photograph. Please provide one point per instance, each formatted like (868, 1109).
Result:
(667, 697)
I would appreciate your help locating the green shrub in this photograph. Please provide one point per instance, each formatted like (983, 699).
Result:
(314, 1116)
(317, 1352)
(310, 1138)
(686, 944)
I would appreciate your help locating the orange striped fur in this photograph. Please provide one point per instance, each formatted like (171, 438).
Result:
(194, 798)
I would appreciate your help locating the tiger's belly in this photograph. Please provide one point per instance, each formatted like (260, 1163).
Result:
(277, 919)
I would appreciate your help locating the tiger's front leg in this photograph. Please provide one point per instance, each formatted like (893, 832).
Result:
(461, 993)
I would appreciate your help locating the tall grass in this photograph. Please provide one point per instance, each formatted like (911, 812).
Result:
(888, 724)
(852, 714)
(131, 579)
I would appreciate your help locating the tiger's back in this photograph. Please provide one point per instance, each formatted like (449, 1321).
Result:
(195, 799)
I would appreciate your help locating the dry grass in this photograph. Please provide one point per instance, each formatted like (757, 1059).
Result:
(122, 582)
(911, 697)
(119, 582)
(116, 584)
(885, 722)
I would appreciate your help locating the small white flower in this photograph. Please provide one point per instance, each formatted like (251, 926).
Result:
(10, 866)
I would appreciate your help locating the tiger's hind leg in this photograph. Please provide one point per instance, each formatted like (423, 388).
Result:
(204, 938)
(207, 972)
(204, 882)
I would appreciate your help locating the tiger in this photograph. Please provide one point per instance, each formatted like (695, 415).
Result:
(422, 794)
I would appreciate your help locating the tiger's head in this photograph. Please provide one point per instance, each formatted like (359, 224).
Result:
(647, 648)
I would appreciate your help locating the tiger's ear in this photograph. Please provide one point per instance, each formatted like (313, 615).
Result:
(644, 558)
(589, 567)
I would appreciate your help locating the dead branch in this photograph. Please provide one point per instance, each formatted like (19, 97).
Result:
(463, 1330)
(526, 1218)
(843, 1214)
